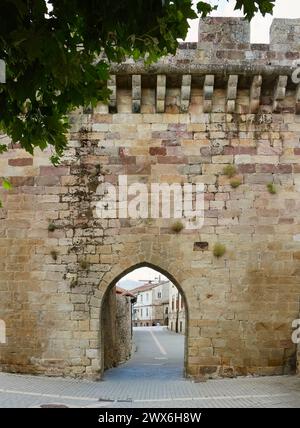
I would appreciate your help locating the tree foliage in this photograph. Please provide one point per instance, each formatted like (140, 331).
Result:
(57, 56)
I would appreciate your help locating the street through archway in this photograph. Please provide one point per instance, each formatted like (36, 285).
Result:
(159, 354)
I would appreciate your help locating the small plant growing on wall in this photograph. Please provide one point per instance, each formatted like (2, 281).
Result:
(177, 227)
(219, 250)
(54, 254)
(235, 182)
(230, 171)
(51, 227)
(84, 264)
(271, 188)
(149, 221)
(74, 283)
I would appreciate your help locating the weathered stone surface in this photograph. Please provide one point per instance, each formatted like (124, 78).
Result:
(255, 93)
(136, 93)
(58, 259)
(185, 93)
(223, 32)
(285, 34)
(231, 93)
(208, 91)
(160, 93)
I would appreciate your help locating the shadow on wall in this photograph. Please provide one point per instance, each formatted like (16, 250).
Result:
(117, 326)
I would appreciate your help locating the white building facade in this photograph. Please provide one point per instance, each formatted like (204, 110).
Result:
(177, 312)
(152, 304)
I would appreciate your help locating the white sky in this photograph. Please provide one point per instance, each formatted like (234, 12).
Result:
(260, 26)
(144, 273)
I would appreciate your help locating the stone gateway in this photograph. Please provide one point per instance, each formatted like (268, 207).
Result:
(222, 112)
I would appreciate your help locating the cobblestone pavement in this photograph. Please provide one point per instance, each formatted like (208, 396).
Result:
(152, 378)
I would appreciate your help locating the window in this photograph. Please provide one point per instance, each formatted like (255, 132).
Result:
(147, 297)
(180, 328)
(147, 312)
(141, 312)
(167, 310)
(141, 297)
(159, 295)
(173, 304)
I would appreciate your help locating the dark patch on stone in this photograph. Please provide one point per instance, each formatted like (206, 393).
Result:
(200, 246)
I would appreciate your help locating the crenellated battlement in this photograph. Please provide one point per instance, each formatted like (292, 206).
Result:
(224, 57)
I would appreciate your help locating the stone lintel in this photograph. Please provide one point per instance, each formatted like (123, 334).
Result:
(248, 68)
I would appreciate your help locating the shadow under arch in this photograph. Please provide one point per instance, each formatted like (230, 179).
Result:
(170, 278)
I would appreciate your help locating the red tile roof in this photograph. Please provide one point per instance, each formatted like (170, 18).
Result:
(147, 286)
(123, 292)
(144, 287)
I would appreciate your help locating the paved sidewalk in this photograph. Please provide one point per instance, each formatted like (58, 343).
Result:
(152, 378)
(30, 391)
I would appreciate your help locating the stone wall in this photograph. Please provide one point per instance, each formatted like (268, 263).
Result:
(124, 328)
(116, 329)
(183, 119)
(109, 331)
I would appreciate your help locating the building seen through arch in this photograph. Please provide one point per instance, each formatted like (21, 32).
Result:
(159, 303)
(132, 309)
(152, 304)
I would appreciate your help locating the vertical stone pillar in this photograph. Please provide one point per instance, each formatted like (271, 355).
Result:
(185, 92)
(161, 93)
(136, 93)
(208, 90)
(255, 93)
(232, 86)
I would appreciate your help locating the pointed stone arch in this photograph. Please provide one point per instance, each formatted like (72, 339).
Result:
(111, 280)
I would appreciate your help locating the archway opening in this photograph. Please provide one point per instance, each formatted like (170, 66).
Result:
(144, 325)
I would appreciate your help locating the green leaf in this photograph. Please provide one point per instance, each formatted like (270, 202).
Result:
(6, 184)
(205, 8)
(55, 160)
(3, 148)
(251, 7)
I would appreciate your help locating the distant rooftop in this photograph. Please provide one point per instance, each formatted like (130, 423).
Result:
(147, 286)
(123, 292)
